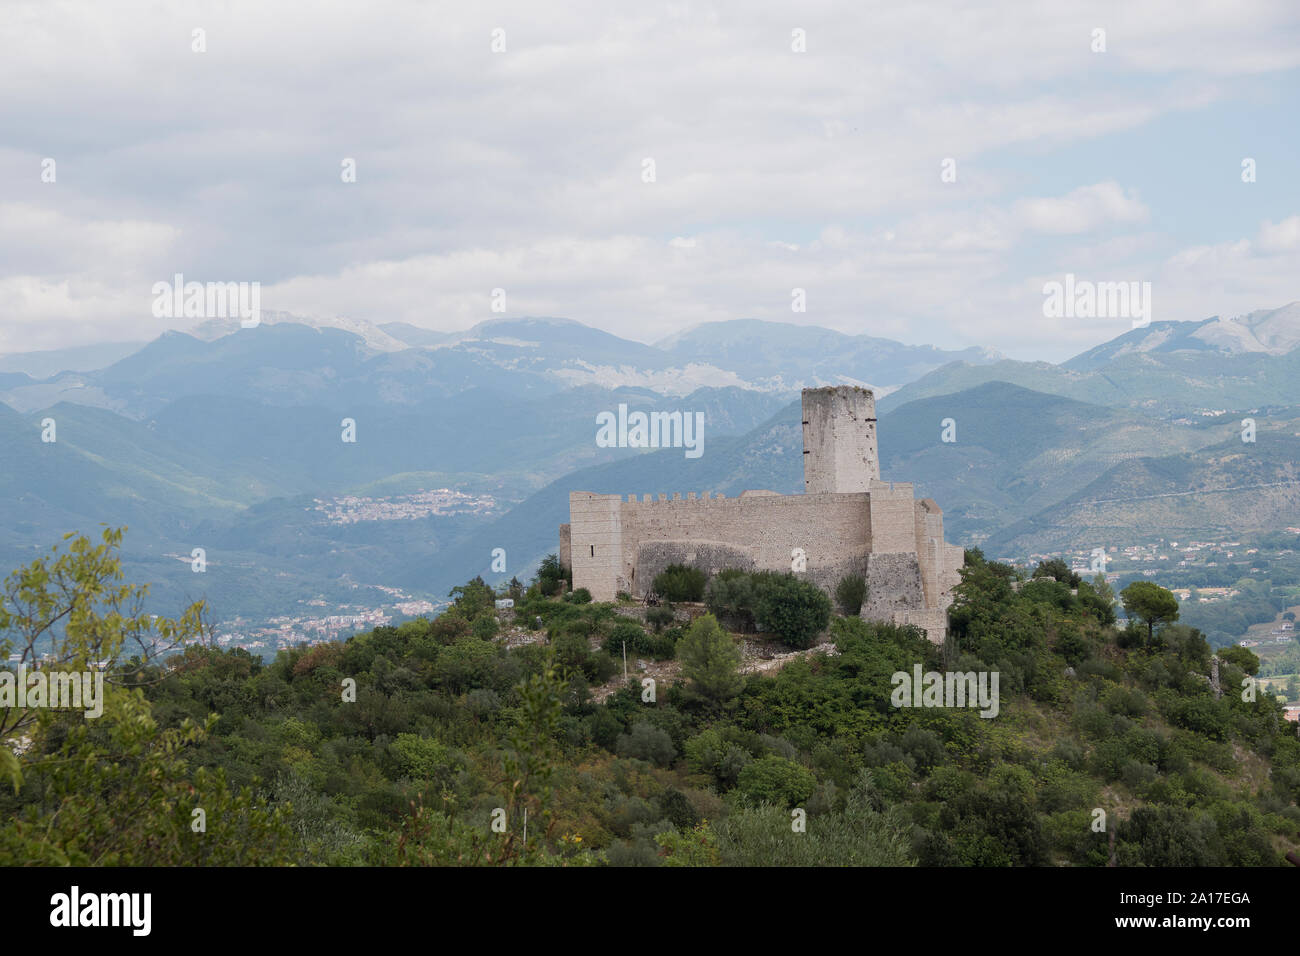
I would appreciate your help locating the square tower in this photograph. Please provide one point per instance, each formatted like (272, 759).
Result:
(839, 439)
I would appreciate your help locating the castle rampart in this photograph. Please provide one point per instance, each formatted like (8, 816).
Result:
(847, 522)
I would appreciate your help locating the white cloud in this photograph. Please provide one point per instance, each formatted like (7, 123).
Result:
(522, 170)
(1082, 210)
(1282, 237)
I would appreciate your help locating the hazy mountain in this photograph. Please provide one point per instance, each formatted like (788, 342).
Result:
(375, 337)
(1218, 490)
(1164, 384)
(413, 335)
(285, 362)
(1268, 331)
(227, 441)
(785, 356)
(81, 358)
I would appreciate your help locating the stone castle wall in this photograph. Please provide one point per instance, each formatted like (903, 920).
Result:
(848, 521)
(621, 545)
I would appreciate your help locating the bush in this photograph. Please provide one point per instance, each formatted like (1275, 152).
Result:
(580, 596)
(552, 575)
(793, 609)
(851, 594)
(659, 617)
(660, 646)
(678, 582)
(730, 598)
(777, 781)
(645, 741)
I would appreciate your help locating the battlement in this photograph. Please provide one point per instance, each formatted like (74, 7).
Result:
(898, 490)
(636, 501)
(675, 496)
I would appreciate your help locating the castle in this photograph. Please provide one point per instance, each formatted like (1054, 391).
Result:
(847, 522)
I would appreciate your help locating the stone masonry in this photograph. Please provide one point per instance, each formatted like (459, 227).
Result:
(847, 521)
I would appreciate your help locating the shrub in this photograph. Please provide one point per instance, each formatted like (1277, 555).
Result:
(793, 609)
(678, 582)
(730, 598)
(659, 617)
(777, 781)
(485, 627)
(580, 596)
(660, 646)
(851, 594)
(645, 741)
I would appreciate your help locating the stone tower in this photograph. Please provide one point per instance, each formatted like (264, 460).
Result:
(839, 440)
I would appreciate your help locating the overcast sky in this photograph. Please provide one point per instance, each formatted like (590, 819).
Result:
(774, 169)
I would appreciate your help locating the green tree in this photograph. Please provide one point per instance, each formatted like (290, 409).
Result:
(473, 598)
(1240, 656)
(794, 609)
(1149, 603)
(552, 575)
(121, 794)
(710, 660)
(1057, 569)
(72, 613)
(113, 789)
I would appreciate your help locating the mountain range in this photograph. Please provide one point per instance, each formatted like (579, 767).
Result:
(232, 440)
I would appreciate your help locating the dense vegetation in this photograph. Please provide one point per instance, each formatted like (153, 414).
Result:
(426, 743)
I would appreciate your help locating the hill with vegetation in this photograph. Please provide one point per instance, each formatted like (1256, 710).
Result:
(429, 743)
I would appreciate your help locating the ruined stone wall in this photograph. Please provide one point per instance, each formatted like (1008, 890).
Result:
(839, 440)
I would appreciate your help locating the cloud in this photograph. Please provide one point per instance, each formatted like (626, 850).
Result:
(1282, 237)
(1082, 210)
(522, 169)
